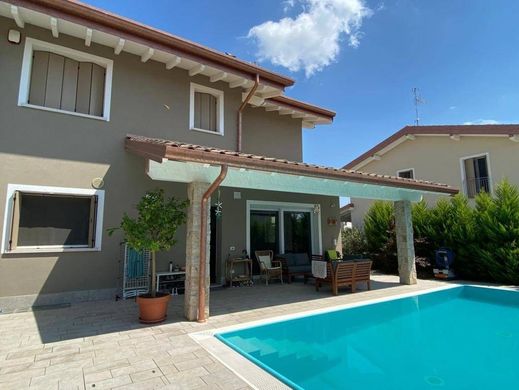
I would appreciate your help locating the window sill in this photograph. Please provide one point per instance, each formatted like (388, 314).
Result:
(56, 110)
(207, 131)
(50, 250)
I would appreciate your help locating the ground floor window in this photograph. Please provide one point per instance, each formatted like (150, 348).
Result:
(53, 219)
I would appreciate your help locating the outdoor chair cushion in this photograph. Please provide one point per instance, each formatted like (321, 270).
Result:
(265, 261)
(301, 268)
(301, 259)
(296, 259)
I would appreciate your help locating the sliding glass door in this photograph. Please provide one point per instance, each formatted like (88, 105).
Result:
(283, 228)
(297, 232)
(264, 233)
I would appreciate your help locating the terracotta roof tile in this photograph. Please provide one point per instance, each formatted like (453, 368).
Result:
(504, 130)
(238, 159)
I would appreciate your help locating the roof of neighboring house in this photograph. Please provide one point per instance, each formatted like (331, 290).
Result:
(454, 131)
(346, 208)
(159, 149)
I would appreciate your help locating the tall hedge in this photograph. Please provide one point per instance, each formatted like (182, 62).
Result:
(497, 245)
(485, 239)
(379, 230)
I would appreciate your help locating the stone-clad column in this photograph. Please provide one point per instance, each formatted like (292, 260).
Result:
(195, 192)
(405, 242)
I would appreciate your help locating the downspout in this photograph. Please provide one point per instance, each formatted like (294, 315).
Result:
(240, 111)
(203, 240)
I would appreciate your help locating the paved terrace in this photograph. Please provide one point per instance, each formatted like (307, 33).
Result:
(100, 345)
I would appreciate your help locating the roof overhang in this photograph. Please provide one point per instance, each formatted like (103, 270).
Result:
(454, 132)
(177, 162)
(96, 25)
(124, 35)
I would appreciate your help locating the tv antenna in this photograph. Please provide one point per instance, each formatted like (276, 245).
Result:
(417, 101)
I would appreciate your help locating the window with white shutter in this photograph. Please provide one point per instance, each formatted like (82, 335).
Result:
(206, 109)
(65, 80)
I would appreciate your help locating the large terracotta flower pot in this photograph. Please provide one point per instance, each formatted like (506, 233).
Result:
(153, 310)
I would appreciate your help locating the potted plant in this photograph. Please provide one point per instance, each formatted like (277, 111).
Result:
(153, 229)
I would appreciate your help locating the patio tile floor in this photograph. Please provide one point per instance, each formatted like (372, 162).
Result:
(100, 345)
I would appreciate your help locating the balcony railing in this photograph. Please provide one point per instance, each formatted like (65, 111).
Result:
(475, 185)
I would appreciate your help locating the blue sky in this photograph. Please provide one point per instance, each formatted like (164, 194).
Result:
(463, 55)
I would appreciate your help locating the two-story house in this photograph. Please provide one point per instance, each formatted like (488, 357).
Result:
(473, 158)
(96, 109)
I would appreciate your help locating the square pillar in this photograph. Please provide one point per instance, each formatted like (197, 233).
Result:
(195, 192)
(405, 242)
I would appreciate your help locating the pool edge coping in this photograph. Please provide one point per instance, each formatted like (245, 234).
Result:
(257, 376)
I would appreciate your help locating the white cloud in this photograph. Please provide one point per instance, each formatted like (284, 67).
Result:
(452, 107)
(288, 5)
(311, 40)
(483, 122)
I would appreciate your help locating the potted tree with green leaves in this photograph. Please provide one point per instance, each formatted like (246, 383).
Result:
(154, 230)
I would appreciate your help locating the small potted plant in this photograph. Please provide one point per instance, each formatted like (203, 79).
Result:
(153, 229)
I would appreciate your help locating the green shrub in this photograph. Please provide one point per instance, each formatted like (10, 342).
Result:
(353, 242)
(485, 239)
(379, 228)
(497, 246)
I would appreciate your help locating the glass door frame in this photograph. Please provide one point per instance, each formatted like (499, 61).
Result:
(280, 208)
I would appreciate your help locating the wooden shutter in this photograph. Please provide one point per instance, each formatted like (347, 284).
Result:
(206, 111)
(15, 220)
(63, 83)
(92, 222)
(40, 64)
(97, 90)
(84, 82)
(69, 90)
(54, 81)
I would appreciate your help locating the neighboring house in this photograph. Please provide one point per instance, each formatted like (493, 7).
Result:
(77, 82)
(345, 215)
(473, 158)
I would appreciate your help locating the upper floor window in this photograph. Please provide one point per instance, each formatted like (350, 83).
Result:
(60, 79)
(476, 174)
(406, 173)
(206, 109)
(52, 219)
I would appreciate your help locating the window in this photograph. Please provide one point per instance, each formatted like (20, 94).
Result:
(476, 175)
(406, 173)
(206, 109)
(52, 219)
(60, 79)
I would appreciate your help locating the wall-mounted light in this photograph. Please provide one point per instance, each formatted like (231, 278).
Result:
(98, 183)
(14, 36)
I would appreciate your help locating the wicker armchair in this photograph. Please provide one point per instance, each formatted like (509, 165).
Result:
(269, 268)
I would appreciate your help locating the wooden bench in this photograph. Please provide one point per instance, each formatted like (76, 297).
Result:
(344, 274)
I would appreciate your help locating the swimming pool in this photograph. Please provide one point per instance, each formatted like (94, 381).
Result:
(460, 338)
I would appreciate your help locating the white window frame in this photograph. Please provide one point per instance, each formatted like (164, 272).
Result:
(219, 95)
(405, 170)
(31, 45)
(280, 207)
(464, 174)
(8, 215)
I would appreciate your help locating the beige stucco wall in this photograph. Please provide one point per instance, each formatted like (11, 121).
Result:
(268, 133)
(52, 149)
(437, 158)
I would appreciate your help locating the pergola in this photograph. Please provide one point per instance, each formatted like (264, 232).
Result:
(206, 168)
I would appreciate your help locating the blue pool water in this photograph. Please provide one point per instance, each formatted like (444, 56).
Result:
(460, 338)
